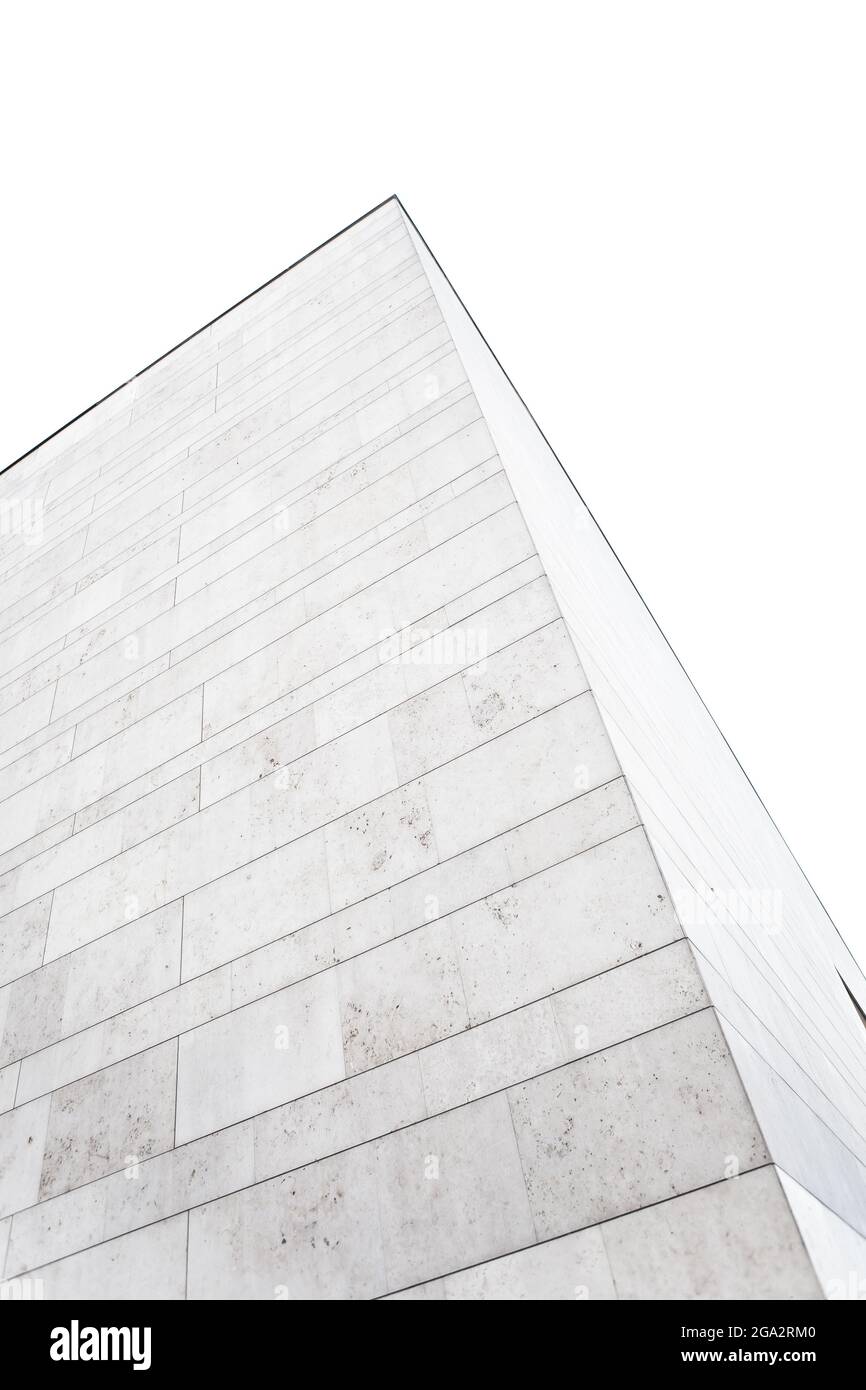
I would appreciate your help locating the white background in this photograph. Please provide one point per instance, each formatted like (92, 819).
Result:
(655, 211)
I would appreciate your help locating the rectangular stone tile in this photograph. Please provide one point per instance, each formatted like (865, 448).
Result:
(431, 728)
(269, 898)
(591, 912)
(379, 844)
(644, 993)
(216, 645)
(293, 652)
(282, 743)
(299, 537)
(304, 952)
(161, 868)
(34, 848)
(506, 580)
(358, 700)
(53, 1229)
(490, 696)
(60, 1063)
(258, 1056)
(127, 1033)
(475, 504)
(22, 721)
(22, 1144)
(451, 1193)
(494, 1055)
(167, 793)
(22, 938)
(98, 1123)
(584, 820)
(466, 560)
(531, 675)
(444, 887)
(95, 599)
(633, 1125)
(136, 1196)
(400, 996)
(427, 653)
(45, 758)
(75, 856)
(572, 1267)
(732, 1240)
(8, 1085)
(125, 968)
(72, 993)
(185, 1177)
(150, 1264)
(32, 1007)
(527, 771)
(363, 925)
(353, 1111)
(310, 1235)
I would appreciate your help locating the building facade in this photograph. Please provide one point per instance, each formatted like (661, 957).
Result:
(382, 914)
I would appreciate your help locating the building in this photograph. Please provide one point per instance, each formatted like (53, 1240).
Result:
(382, 914)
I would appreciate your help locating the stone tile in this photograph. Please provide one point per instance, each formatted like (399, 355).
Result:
(598, 909)
(182, 1178)
(575, 1267)
(259, 1056)
(401, 996)
(733, 1240)
(303, 953)
(431, 729)
(353, 1111)
(22, 938)
(310, 1235)
(633, 1125)
(380, 844)
(440, 889)
(136, 962)
(98, 1123)
(266, 899)
(581, 822)
(494, 1055)
(22, 1145)
(33, 1010)
(451, 1193)
(642, 994)
(8, 1085)
(530, 676)
(149, 1264)
(527, 771)
(58, 1227)
(257, 757)
(130, 965)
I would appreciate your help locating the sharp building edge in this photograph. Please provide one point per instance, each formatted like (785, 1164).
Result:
(382, 913)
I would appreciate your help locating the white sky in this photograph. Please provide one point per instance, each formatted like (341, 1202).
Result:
(655, 211)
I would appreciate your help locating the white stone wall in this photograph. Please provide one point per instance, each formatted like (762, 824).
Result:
(335, 960)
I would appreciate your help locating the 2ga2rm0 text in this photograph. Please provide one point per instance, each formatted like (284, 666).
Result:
(710, 1334)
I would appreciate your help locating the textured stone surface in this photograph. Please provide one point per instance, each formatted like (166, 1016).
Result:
(336, 960)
